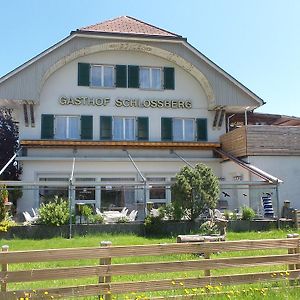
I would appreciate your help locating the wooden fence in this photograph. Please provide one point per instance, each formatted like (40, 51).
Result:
(104, 269)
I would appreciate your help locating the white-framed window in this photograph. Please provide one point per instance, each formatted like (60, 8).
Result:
(102, 76)
(124, 128)
(183, 129)
(67, 127)
(150, 78)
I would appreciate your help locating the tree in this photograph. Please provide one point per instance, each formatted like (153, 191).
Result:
(195, 190)
(9, 144)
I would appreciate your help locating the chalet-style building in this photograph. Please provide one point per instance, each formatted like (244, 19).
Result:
(133, 103)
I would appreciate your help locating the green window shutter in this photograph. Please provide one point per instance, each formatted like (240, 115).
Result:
(121, 76)
(166, 129)
(201, 129)
(105, 128)
(133, 77)
(47, 127)
(169, 78)
(86, 127)
(83, 74)
(142, 129)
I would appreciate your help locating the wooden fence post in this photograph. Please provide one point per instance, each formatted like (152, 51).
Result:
(206, 256)
(105, 261)
(4, 268)
(293, 251)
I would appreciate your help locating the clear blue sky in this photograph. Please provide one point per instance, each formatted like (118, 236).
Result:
(256, 41)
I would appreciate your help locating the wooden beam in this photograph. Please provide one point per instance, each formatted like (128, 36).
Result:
(118, 144)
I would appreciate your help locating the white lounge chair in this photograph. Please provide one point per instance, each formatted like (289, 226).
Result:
(35, 212)
(132, 216)
(29, 218)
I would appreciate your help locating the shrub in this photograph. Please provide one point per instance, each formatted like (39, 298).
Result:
(96, 219)
(247, 213)
(153, 225)
(87, 212)
(6, 224)
(227, 214)
(55, 212)
(2, 210)
(209, 228)
(123, 220)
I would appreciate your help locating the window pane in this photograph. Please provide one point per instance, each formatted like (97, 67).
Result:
(85, 193)
(96, 75)
(189, 130)
(145, 78)
(108, 76)
(157, 191)
(156, 79)
(129, 129)
(60, 127)
(178, 129)
(118, 129)
(73, 128)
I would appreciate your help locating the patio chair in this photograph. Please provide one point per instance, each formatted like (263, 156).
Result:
(132, 216)
(29, 218)
(35, 212)
(124, 212)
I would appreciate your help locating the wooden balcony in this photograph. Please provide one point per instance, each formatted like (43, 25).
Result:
(262, 140)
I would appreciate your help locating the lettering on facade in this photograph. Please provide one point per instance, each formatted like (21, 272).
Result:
(154, 103)
(84, 101)
(174, 104)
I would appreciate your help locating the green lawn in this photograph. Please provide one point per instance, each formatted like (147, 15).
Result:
(257, 291)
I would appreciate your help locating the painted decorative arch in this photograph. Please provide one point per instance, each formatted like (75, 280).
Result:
(128, 46)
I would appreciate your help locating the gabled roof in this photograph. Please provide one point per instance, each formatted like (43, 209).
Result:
(128, 25)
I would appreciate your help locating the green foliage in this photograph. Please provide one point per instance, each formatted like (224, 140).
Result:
(247, 213)
(2, 206)
(96, 219)
(6, 223)
(209, 228)
(123, 220)
(55, 213)
(194, 191)
(227, 214)
(86, 211)
(153, 225)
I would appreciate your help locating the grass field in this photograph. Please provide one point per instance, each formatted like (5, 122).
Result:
(257, 291)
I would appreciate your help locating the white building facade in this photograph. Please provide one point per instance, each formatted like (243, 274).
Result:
(132, 103)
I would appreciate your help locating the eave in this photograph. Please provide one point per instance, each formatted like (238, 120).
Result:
(119, 144)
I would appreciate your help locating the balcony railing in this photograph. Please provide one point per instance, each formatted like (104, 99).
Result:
(262, 140)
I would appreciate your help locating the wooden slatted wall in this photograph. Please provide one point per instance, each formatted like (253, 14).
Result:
(262, 140)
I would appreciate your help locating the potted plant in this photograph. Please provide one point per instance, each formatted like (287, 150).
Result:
(4, 194)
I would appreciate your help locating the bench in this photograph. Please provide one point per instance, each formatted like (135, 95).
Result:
(199, 272)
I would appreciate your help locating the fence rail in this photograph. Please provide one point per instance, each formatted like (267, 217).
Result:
(105, 270)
